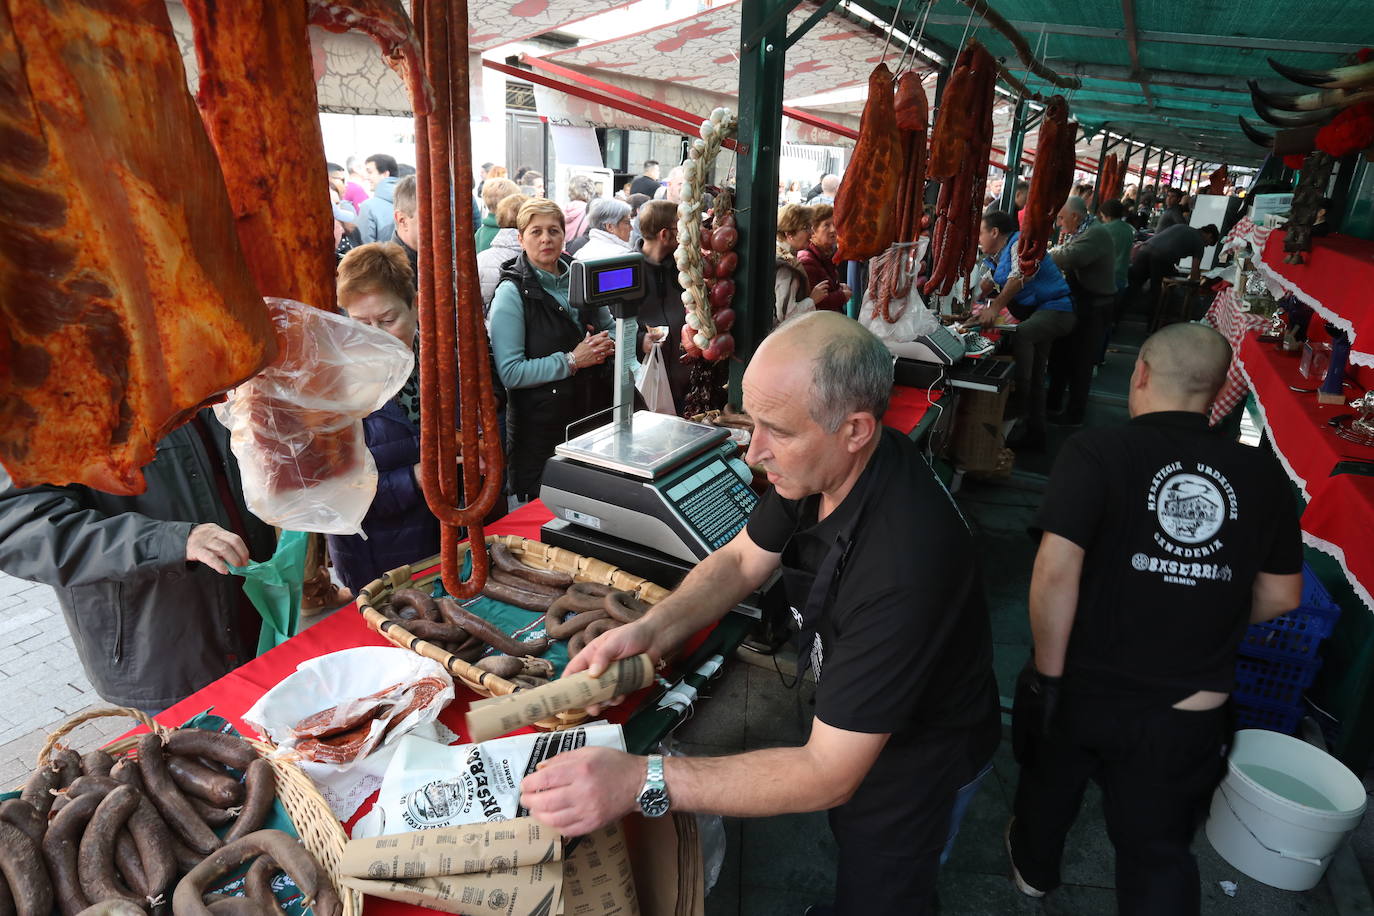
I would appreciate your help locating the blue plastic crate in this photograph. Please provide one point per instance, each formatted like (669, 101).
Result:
(1297, 635)
(1283, 719)
(1273, 681)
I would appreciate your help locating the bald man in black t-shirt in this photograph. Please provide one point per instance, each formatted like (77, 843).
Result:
(1161, 541)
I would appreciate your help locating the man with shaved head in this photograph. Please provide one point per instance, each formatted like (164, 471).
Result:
(882, 576)
(1160, 541)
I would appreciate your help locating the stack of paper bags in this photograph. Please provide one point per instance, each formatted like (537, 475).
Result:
(514, 867)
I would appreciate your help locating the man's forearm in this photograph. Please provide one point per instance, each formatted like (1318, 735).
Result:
(779, 780)
(1053, 604)
(708, 593)
(1008, 293)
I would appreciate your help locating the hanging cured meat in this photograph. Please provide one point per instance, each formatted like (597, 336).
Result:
(1054, 164)
(865, 207)
(959, 149)
(896, 270)
(126, 301)
(1109, 181)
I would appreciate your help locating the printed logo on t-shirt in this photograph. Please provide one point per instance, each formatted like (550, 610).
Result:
(817, 649)
(1190, 504)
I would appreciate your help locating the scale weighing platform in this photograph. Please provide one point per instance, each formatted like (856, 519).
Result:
(660, 482)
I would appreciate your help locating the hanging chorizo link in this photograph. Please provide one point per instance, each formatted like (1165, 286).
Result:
(1054, 162)
(455, 372)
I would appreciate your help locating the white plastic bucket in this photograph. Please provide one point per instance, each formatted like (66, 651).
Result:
(1283, 809)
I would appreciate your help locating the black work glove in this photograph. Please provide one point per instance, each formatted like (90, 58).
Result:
(1033, 710)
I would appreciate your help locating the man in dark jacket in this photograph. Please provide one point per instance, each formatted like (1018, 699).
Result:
(142, 580)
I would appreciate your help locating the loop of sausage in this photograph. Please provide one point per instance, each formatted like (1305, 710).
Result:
(517, 595)
(504, 561)
(284, 850)
(625, 607)
(422, 605)
(59, 851)
(148, 832)
(200, 781)
(490, 634)
(261, 783)
(230, 750)
(568, 615)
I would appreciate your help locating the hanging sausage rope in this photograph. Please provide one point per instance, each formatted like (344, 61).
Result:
(455, 372)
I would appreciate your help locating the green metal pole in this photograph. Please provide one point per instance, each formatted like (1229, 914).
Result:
(761, 69)
(1015, 143)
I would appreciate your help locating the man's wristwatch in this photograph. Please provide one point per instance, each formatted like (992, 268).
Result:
(653, 798)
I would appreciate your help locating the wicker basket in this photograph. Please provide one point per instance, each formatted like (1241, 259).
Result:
(532, 553)
(319, 829)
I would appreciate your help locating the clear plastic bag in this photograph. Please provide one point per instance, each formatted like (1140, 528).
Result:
(296, 427)
(895, 271)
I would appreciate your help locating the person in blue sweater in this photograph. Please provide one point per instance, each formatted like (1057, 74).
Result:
(375, 287)
(1043, 308)
(552, 360)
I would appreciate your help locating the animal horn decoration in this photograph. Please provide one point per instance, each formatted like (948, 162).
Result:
(1311, 101)
(1351, 77)
(1254, 134)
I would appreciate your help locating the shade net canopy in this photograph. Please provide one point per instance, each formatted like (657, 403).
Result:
(1184, 84)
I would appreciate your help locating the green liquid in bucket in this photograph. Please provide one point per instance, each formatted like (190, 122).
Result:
(1287, 786)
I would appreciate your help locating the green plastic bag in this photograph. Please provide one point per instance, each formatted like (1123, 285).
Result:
(274, 587)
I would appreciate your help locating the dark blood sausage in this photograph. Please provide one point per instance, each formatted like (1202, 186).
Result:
(95, 858)
(38, 791)
(97, 763)
(129, 867)
(505, 561)
(116, 906)
(68, 764)
(257, 884)
(60, 846)
(24, 873)
(434, 631)
(514, 581)
(502, 665)
(625, 607)
(422, 605)
(262, 791)
(148, 832)
(288, 853)
(229, 750)
(237, 906)
(490, 634)
(567, 616)
(214, 817)
(519, 597)
(185, 858)
(170, 801)
(21, 815)
(198, 780)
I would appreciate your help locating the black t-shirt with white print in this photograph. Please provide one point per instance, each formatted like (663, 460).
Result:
(1175, 520)
(905, 643)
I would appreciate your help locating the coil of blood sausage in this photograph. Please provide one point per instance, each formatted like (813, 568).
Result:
(1054, 161)
(865, 211)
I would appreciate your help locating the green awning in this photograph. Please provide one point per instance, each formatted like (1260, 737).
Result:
(1194, 55)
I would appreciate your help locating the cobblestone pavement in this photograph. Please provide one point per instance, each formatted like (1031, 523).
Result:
(42, 684)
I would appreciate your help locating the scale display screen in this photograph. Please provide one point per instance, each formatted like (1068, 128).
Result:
(611, 281)
(715, 501)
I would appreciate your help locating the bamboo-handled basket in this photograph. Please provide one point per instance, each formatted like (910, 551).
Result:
(534, 554)
(319, 830)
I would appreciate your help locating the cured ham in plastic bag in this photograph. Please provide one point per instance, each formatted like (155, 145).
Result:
(296, 427)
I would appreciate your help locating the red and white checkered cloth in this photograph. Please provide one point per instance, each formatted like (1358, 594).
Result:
(1233, 323)
(1244, 232)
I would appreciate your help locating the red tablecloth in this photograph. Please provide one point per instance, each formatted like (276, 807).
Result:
(1339, 517)
(1335, 280)
(908, 406)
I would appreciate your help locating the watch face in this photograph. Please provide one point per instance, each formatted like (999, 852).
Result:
(653, 802)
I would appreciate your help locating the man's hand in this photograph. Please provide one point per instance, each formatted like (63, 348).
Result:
(580, 791)
(622, 642)
(987, 317)
(216, 548)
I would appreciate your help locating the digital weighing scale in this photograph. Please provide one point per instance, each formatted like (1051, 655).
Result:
(649, 479)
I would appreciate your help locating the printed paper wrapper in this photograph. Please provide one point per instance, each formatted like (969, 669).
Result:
(503, 715)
